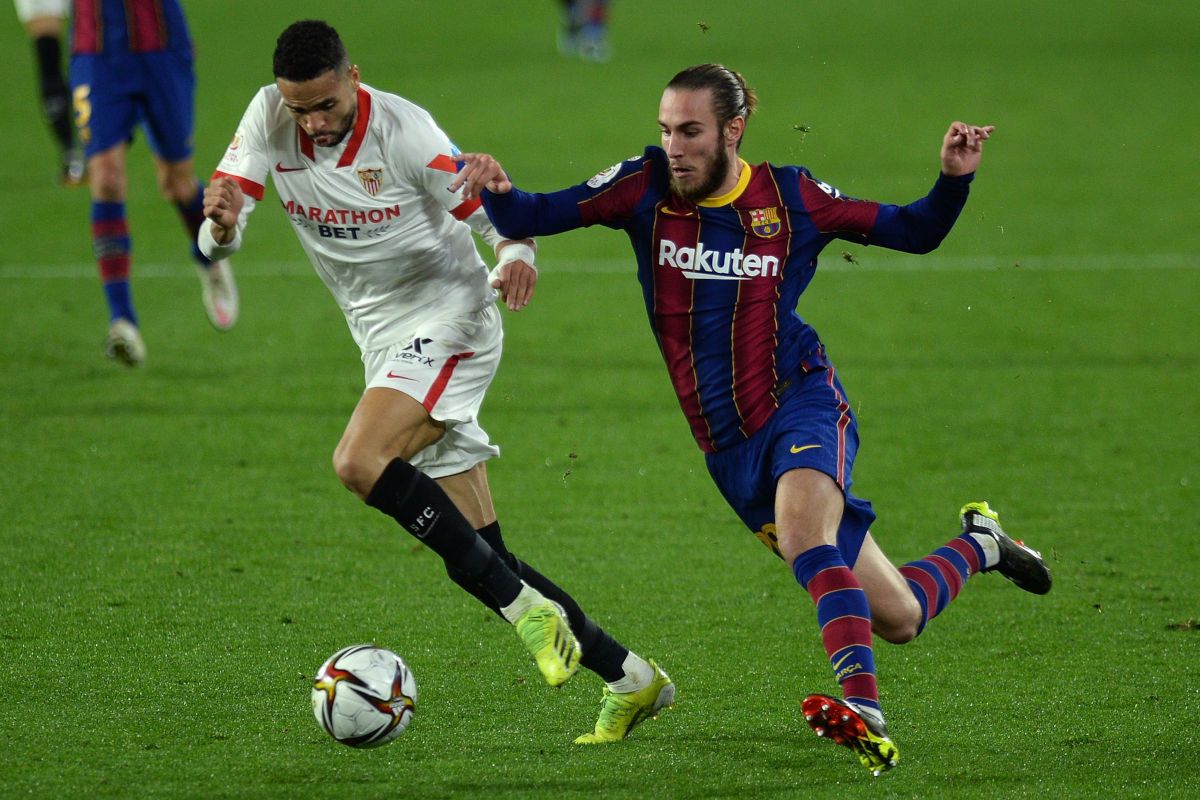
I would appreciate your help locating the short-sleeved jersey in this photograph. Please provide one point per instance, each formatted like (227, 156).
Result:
(116, 27)
(374, 213)
(721, 279)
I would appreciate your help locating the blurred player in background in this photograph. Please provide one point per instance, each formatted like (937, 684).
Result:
(584, 30)
(724, 250)
(363, 176)
(131, 65)
(44, 21)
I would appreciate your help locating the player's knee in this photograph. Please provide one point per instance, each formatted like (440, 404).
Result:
(177, 188)
(107, 181)
(902, 633)
(900, 624)
(356, 470)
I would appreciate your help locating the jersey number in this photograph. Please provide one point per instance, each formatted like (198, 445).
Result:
(83, 111)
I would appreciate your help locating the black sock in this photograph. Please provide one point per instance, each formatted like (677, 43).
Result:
(414, 500)
(601, 653)
(56, 97)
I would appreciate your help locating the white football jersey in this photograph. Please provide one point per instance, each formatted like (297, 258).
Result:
(374, 213)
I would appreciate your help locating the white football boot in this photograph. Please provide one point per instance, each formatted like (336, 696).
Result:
(219, 293)
(124, 343)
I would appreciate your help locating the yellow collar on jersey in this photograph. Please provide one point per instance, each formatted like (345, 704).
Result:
(732, 194)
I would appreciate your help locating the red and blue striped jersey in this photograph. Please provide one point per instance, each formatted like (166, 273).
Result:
(721, 279)
(128, 26)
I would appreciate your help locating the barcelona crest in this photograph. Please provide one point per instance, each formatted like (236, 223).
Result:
(765, 222)
(371, 179)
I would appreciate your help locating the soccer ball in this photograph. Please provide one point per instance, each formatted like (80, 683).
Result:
(364, 696)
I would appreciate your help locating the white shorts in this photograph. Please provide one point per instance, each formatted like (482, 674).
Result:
(446, 366)
(32, 9)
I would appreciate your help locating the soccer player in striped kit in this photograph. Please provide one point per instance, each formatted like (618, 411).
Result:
(724, 249)
(131, 66)
(363, 177)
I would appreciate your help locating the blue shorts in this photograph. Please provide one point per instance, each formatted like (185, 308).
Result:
(113, 94)
(814, 427)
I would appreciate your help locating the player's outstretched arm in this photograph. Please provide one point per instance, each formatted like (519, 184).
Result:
(480, 171)
(223, 201)
(962, 147)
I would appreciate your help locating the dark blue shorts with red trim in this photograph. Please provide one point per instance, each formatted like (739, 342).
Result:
(813, 428)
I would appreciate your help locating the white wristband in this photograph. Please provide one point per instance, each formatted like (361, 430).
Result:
(517, 251)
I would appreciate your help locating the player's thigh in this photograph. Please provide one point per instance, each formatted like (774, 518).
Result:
(895, 613)
(169, 104)
(104, 96)
(447, 365)
(443, 372)
(808, 511)
(386, 424)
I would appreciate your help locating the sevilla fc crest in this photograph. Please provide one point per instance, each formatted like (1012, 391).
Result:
(371, 179)
(765, 222)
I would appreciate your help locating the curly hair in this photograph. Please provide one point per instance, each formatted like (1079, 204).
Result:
(308, 48)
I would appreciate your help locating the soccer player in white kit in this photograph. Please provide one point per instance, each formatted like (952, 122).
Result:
(45, 22)
(365, 176)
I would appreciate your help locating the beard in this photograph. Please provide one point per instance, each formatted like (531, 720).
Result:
(340, 134)
(710, 180)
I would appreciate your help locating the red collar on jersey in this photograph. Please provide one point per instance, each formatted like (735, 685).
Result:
(356, 136)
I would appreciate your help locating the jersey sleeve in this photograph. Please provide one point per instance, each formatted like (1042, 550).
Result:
(247, 163)
(247, 160)
(429, 159)
(834, 213)
(918, 227)
(608, 198)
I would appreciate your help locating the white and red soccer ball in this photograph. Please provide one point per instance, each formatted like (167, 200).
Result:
(364, 696)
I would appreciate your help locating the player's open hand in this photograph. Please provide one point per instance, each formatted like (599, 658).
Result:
(479, 171)
(223, 201)
(962, 147)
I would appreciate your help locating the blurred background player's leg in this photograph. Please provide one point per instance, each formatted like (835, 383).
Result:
(113, 94)
(112, 246)
(106, 113)
(170, 88)
(45, 22)
(584, 30)
(178, 183)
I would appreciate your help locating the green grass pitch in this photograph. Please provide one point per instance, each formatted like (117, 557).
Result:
(177, 557)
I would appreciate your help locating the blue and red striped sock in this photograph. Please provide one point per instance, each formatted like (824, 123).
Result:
(192, 214)
(845, 619)
(112, 246)
(938, 578)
